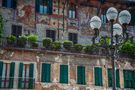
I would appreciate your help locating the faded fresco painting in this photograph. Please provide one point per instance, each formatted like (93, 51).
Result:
(85, 14)
(26, 12)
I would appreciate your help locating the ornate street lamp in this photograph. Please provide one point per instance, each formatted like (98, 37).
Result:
(124, 20)
(117, 32)
(95, 24)
(111, 15)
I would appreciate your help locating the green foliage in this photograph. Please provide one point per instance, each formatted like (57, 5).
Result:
(104, 41)
(128, 48)
(90, 49)
(22, 40)
(11, 40)
(56, 45)
(32, 38)
(47, 42)
(35, 45)
(78, 47)
(68, 45)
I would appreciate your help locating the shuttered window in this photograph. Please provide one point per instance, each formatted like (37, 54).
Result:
(51, 34)
(132, 11)
(7, 75)
(26, 76)
(9, 3)
(129, 79)
(73, 37)
(98, 76)
(64, 74)
(110, 78)
(45, 76)
(44, 6)
(81, 75)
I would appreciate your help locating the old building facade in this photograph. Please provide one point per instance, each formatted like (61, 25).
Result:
(25, 68)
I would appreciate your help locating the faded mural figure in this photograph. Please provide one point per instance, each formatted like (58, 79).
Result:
(85, 15)
(25, 15)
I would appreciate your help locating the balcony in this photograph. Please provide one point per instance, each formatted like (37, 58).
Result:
(58, 47)
(17, 83)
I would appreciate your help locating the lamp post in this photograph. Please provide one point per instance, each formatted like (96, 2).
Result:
(95, 24)
(124, 20)
(116, 31)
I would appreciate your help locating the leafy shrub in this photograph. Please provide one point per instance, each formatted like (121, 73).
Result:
(47, 42)
(68, 45)
(32, 39)
(11, 40)
(22, 40)
(91, 49)
(35, 45)
(56, 45)
(78, 47)
(128, 48)
(104, 41)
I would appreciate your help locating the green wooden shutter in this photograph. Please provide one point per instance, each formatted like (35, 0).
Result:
(45, 72)
(98, 76)
(12, 71)
(20, 76)
(133, 79)
(14, 4)
(31, 74)
(132, 11)
(50, 6)
(63, 73)
(110, 77)
(1, 70)
(117, 78)
(4, 3)
(81, 75)
(37, 5)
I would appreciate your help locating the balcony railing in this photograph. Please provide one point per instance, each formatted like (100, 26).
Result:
(17, 83)
(100, 50)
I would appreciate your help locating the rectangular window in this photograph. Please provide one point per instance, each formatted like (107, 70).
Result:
(16, 30)
(72, 12)
(73, 37)
(129, 79)
(110, 78)
(7, 75)
(44, 6)
(9, 3)
(81, 75)
(26, 73)
(63, 73)
(45, 76)
(51, 34)
(98, 76)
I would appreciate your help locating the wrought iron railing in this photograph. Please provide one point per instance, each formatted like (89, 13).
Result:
(17, 83)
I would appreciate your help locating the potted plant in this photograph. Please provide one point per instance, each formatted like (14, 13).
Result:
(11, 40)
(32, 40)
(22, 40)
(47, 43)
(78, 47)
(56, 45)
(68, 45)
(91, 49)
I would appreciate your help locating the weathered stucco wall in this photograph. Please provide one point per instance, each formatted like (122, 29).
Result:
(74, 60)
